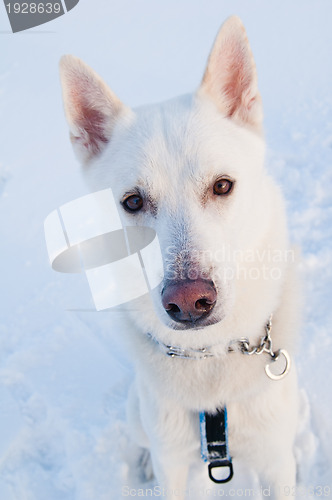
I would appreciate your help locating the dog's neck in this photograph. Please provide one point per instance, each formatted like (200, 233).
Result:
(241, 345)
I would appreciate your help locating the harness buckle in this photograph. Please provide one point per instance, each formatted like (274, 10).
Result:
(221, 464)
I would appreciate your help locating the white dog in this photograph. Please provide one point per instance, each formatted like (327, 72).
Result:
(193, 169)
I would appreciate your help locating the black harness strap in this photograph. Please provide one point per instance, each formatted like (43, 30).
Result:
(214, 443)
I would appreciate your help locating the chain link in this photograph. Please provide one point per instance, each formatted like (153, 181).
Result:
(265, 344)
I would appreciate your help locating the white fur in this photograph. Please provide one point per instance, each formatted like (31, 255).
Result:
(173, 152)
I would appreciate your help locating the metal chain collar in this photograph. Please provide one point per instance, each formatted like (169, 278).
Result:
(265, 346)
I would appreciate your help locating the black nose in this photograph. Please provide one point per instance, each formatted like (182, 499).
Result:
(189, 300)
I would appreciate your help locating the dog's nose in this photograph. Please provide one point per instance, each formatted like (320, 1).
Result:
(189, 300)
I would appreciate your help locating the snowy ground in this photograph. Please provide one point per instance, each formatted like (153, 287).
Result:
(63, 373)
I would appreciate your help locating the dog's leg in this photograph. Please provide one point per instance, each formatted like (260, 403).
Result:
(134, 421)
(276, 464)
(137, 433)
(262, 432)
(279, 471)
(279, 480)
(173, 434)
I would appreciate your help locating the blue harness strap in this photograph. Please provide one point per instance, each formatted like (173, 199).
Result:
(214, 444)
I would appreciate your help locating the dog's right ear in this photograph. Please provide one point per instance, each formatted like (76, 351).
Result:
(230, 79)
(91, 108)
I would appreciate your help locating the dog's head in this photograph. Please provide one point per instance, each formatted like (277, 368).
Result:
(191, 168)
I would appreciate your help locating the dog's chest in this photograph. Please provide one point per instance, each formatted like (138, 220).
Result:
(207, 384)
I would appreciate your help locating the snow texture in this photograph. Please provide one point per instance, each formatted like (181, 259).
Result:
(64, 374)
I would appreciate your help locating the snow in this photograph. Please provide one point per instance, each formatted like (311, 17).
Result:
(64, 374)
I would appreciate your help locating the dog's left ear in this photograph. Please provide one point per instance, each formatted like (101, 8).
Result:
(92, 109)
(230, 78)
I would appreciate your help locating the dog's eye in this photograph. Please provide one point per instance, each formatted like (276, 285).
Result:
(222, 186)
(133, 203)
